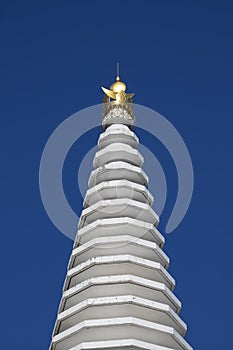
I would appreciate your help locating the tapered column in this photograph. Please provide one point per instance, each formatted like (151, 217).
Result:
(118, 293)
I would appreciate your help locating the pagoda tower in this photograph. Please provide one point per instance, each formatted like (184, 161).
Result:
(117, 292)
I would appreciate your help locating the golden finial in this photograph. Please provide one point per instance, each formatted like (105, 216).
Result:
(118, 71)
(117, 90)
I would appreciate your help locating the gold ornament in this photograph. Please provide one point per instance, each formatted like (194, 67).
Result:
(117, 91)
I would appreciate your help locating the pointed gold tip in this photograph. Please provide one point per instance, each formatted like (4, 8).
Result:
(118, 71)
(117, 90)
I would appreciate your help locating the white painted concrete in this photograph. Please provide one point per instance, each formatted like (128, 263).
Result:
(118, 189)
(118, 133)
(123, 344)
(104, 286)
(118, 171)
(119, 226)
(118, 293)
(113, 245)
(106, 329)
(116, 306)
(116, 265)
(118, 152)
(119, 207)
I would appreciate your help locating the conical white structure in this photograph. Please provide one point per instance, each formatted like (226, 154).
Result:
(117, 292)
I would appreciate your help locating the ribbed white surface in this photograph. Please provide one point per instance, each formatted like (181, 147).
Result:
(117, 292)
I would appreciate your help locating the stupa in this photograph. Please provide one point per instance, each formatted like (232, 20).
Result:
(118, 293)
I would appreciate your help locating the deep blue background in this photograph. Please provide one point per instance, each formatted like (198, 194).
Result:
(177, 57)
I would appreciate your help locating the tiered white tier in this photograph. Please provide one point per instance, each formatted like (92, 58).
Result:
(117, 292)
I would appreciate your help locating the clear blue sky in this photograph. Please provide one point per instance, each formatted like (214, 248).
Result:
(177, 56)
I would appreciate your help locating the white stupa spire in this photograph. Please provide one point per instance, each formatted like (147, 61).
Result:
(118, 293)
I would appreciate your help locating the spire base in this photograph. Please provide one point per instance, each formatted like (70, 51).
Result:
(116, 112)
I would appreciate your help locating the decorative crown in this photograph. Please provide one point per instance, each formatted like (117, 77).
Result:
(117, 104)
